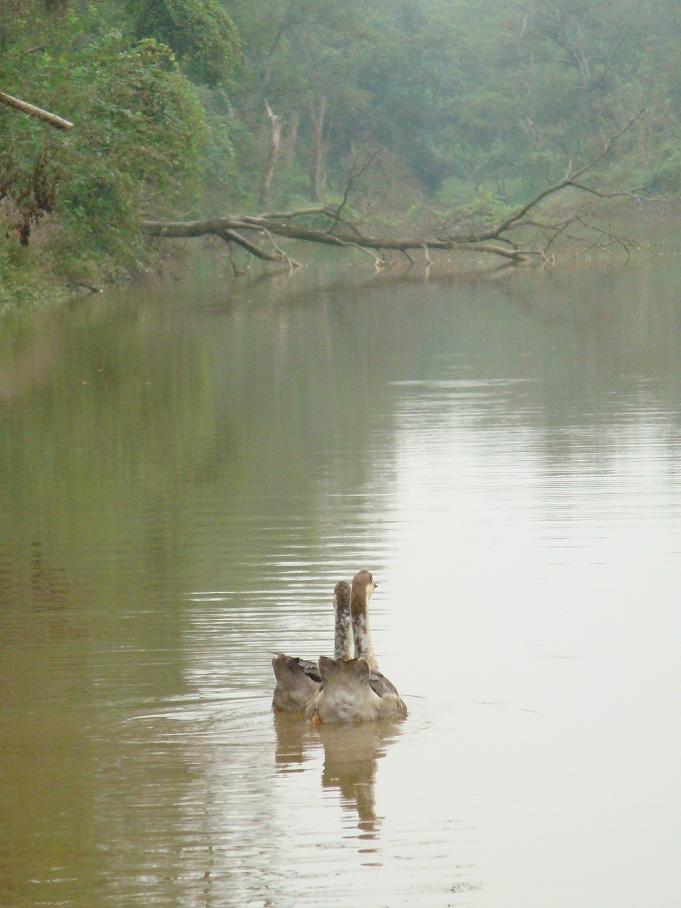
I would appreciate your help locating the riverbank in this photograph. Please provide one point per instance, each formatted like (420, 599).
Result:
(31, 277)
(27, 282)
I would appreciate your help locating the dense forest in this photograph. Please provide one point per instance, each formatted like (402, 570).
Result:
(455, 109)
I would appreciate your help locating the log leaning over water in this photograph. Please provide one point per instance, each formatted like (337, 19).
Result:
(269, 226)
(330, 227)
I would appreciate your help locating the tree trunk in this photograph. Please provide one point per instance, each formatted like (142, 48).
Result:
(317, 116)
(276, 126)
(292, 140)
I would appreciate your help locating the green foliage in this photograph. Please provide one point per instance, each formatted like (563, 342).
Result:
(199, 31)
(77, 196)
(22, 282)
(454, 192)
(480, 94)
(149, 147)
(485, 208)
(666, 177)
(471, 106)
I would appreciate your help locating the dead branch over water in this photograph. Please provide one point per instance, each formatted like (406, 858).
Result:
(330, 226)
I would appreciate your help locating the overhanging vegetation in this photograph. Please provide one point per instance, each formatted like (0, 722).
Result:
(393, 128)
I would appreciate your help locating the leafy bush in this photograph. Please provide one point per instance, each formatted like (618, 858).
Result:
(666, 178)
(137, 139)
(199, 31)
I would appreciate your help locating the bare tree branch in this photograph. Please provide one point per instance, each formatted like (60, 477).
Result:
(353, 176)
(568, 180)
(231, 236)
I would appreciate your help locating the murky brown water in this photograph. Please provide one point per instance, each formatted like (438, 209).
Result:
(184, 474)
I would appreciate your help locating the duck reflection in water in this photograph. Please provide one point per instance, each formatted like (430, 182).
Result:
(351, 757)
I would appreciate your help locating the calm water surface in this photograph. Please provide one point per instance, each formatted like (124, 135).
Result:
(185, 472)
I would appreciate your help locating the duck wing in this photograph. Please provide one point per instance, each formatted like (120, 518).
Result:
(297, 682)
(381, 685)
(392, 705)
(310, 668)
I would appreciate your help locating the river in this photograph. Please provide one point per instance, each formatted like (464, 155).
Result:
(187, 468)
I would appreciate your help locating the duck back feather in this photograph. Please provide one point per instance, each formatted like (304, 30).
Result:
(297, 682)
(351, 692)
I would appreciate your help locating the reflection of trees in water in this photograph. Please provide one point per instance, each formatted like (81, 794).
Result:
(48, 583)
(351, 756)
(573, 356)
(606, 358)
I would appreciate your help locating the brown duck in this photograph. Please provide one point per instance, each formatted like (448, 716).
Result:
(354, 690)
(298, 680)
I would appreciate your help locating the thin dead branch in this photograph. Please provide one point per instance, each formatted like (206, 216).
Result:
(231, 236)
(570, 179)
(353, 176)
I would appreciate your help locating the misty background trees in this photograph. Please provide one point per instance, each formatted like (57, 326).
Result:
(187, 108)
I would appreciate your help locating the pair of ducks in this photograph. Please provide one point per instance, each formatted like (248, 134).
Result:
(342, 689)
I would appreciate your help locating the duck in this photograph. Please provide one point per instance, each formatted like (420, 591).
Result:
(298, 680)
(354, 690)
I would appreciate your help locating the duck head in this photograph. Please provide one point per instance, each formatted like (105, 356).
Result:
(363, 586)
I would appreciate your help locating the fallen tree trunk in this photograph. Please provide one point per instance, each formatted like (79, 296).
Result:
(336, 230)
(224, 227)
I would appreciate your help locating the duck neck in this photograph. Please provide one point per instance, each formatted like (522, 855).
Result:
(360, 630)
(342, 640)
